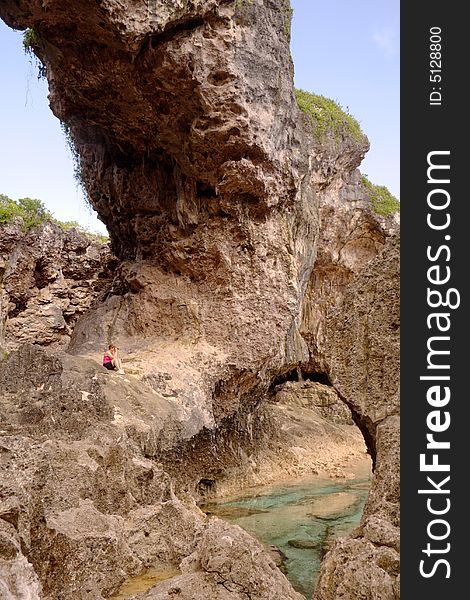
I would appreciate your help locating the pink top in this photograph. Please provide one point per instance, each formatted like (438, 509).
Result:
(107, 359)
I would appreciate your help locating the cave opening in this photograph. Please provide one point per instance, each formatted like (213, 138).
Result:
(205, 487)
(298, 375)
(205, 190)
(300, 517)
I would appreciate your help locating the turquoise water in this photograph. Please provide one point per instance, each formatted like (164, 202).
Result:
(297, 521)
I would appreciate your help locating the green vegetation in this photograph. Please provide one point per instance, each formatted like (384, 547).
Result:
(77, 170)
(239, 4)
(288, 14)
(33, 212)
(31, 45)
(383, 202)
(77, 165)
(30, 41)
(328, 116)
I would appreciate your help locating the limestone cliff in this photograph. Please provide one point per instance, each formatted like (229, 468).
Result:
(93, 461)
(361, 345)
(192, 154)
(48, 279)
(243, 244)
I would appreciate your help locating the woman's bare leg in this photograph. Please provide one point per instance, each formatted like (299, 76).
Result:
(118, 364)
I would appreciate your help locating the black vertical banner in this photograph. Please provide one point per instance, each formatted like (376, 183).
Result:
(435, 329)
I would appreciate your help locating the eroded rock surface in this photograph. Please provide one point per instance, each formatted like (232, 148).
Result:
(226, 565)
(193, 153)
(48, 279)
(83, 501)
(362, 346)
(351, 234)
(316, 396)
(297, 431)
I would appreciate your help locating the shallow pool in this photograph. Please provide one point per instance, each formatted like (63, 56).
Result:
(297, 520)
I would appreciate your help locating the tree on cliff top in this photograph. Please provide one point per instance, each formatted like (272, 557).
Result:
(33, 212)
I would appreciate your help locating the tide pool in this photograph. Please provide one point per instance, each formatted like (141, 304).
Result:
(296, 521)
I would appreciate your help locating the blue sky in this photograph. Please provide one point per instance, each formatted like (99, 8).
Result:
(343, 49)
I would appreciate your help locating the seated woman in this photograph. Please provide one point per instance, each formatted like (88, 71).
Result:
(111, 360)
